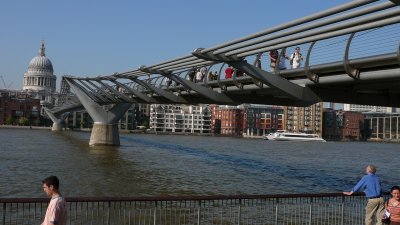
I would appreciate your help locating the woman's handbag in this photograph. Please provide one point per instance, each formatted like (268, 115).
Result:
(386, 215)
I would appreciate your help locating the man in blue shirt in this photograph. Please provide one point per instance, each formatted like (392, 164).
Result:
(371, 185)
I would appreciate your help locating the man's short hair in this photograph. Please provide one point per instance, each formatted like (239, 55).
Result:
(371, 168)
(52, 180)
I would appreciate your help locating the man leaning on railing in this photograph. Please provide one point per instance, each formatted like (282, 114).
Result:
(371, 185)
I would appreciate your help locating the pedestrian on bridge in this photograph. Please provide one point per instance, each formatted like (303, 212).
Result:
(229, 72)
(296, 58)
(273, 57)
(57, 210)
(371, 185)
(282, 59)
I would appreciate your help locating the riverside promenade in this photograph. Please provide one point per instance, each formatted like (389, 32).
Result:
(322, 209)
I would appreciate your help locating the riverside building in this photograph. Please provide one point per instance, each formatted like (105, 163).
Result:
(260, 120)
(367, 108)
(180, 118)
(248, 120)
(339, 125)
(383, 126)
(18, 108)
(304, 119)
(227, 120)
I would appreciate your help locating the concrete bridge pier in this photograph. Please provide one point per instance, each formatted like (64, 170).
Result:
(58, 123)
(105, 130)
(57, 126)
(104, 134)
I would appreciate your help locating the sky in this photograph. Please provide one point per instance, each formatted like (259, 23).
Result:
(99, 37)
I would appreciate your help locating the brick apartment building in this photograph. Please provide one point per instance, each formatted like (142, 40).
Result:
(342, 125)
(226, 120)
(15, 105)
(248, 119)
(304, 119)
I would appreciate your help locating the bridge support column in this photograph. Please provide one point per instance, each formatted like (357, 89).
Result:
(104, 134)
(58, 123)
(105, 130)
(57, 126)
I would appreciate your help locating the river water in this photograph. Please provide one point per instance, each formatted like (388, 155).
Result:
(147, 165)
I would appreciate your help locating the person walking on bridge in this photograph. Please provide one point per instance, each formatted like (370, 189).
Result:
(296, 58)
(56, 213)
(371, 185)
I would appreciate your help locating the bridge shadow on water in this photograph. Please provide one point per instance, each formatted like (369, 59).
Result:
(262, 169)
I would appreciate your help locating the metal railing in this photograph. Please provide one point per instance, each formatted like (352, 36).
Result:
(298, 209)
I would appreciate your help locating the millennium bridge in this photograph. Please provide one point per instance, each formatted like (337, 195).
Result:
(351, 54)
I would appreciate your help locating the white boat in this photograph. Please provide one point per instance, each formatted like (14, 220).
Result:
(282, 135)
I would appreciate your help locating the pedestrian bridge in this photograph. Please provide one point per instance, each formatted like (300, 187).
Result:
(350, 54)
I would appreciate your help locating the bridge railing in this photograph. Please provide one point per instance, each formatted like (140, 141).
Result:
(332, 209)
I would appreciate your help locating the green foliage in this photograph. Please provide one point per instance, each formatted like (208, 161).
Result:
(23, 121)
(9, 120)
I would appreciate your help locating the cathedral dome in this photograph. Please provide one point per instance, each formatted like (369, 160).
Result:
(40, 65)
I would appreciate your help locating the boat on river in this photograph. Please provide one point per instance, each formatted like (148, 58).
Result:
(283, 135)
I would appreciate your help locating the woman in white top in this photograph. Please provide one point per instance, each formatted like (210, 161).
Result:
(296, 58)
(199, 76)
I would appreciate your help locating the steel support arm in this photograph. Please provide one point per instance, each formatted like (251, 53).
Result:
(168, 95)
(115, 92)
(136, 93)
(289, 89)
(204, 91)
(97, 112)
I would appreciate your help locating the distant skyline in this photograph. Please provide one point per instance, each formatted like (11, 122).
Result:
(91, 38)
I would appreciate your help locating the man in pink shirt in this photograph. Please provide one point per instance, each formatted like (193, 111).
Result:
(56, 213)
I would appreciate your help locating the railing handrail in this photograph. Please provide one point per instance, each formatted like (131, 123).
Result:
(182, 198)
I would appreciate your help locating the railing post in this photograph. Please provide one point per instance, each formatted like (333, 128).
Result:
(109, 214)
(310, 212)
(4, 213)
(342, 216)
(155, 216)
(198, 213)
(276, 211)
(240, 214)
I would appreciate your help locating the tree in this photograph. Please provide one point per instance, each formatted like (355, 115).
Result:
(9, 120)
(23, 121)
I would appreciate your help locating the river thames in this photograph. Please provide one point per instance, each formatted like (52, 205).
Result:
(147, 165)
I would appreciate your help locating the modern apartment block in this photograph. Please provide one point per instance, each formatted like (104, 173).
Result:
(180, 118)
(262, 119)
(304, 119)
